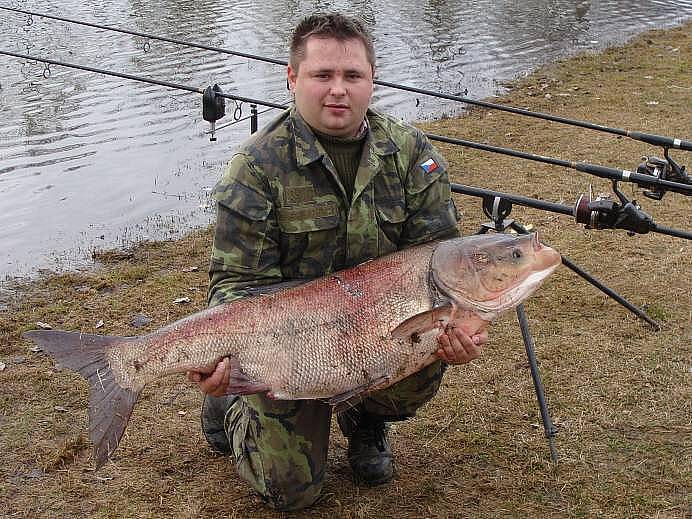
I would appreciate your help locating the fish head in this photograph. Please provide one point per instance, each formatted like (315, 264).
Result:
(493, 272)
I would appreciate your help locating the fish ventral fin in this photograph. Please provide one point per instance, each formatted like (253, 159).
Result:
(352, 397)
(110, 405)
(240, 384)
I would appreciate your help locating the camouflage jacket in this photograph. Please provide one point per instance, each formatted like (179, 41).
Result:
(283, 214)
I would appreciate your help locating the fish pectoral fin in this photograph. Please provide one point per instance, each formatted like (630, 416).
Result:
(240, 384)
(414, 326)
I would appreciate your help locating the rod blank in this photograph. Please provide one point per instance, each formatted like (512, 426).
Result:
(657, 140)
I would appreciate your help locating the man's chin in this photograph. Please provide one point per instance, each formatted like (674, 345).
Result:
(338, 129)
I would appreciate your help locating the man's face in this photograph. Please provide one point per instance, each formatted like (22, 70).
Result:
(333, 85)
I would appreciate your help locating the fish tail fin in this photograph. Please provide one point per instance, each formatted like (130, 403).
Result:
(110, 405)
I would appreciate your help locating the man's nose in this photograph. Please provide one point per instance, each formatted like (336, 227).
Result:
(338, 87)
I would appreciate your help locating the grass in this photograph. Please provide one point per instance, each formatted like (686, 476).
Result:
(618, 391)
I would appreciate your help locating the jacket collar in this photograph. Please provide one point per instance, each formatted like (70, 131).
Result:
(309, 150)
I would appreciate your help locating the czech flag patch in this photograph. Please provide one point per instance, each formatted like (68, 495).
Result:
(429, 166)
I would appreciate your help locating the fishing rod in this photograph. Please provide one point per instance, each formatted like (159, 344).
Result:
(645, 176)
(498, 206)
(218, 92)
(656, 140)
(600, 213)
(213, 108)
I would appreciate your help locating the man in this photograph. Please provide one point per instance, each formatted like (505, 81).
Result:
(327, 185)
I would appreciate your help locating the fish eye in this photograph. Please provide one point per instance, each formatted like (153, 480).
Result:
(516, 254)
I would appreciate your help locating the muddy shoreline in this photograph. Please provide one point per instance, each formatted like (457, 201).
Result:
(618, 392)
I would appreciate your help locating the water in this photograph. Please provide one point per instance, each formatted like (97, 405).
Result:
(89, 161)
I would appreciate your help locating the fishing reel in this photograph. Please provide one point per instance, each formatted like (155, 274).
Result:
(666, 169)
(603, 213)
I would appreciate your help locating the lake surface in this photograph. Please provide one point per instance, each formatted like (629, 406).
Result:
(89, 161)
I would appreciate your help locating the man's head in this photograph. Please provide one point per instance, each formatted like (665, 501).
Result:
(330, 72)
(335, 26)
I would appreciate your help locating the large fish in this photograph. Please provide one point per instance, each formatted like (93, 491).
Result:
(332, 338)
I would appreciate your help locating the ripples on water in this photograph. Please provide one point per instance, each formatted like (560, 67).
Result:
(89, 161)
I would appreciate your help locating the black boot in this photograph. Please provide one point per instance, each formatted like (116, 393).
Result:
(214, 410)
(369, 452)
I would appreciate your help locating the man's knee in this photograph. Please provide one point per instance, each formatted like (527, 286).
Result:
(281, 450)
(283, 484)
(289, 494)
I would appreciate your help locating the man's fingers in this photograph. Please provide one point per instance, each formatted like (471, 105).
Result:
(215, 381)
(480, 338)
(455, 347)
(222, 387)
(226, 376)
(445, 350)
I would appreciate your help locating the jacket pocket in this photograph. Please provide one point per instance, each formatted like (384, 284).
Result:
(248, 219)
(390, 209)
(390, 223)
(310, 217)
(308, 237)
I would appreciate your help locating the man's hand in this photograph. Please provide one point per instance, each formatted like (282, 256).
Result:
(455, 347)
(214, 383)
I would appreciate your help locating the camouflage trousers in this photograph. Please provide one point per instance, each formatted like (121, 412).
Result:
(280, 446)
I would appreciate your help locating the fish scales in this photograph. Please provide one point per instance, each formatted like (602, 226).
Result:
(335, 337)
(325, 358)
(299, 343)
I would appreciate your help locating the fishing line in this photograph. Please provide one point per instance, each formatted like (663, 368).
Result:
(656, 140)
(643, 180)
(141, 79)
(242, 119)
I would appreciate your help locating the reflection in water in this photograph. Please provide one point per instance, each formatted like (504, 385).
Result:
(444, 25)
(581, 9)
(88, 160)
(553, 22)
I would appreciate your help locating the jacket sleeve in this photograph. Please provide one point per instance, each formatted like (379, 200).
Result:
(245, 250)
(431, 211)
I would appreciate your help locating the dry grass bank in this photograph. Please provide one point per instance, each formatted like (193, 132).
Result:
(619, 392)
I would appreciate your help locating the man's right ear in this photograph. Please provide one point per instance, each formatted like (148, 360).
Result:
(291, 76)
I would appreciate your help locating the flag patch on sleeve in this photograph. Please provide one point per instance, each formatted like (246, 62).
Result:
(429, 165)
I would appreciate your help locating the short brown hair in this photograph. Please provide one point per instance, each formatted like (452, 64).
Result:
(332, 25)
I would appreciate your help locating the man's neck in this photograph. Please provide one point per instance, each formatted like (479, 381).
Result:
(358, 135)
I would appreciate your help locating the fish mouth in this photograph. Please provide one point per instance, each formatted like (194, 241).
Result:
(549, 255)
(537, 246)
